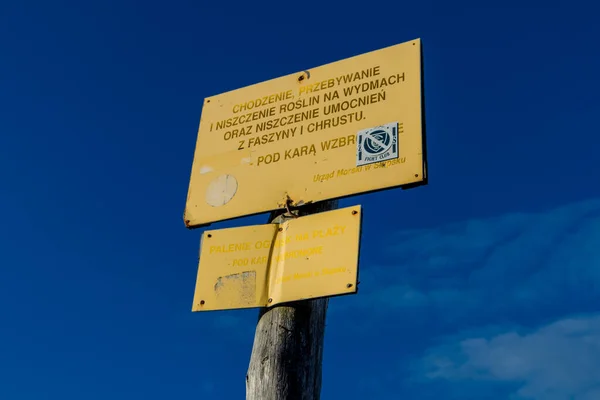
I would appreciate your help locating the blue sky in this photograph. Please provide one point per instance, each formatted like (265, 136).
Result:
(484, 284)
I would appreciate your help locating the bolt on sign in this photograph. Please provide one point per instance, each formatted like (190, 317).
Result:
(264, 265)
(340, 129)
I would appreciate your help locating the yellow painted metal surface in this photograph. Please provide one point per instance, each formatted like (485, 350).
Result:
(263, 265)
(340, 129)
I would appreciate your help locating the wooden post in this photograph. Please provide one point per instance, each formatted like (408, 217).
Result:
(287, 353)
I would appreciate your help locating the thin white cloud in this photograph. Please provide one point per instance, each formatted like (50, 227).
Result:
(516, 267)
(555, 362)
(475, 279)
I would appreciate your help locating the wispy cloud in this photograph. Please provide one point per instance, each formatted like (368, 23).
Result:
(523, 268)
(469, 284)
(555, 362)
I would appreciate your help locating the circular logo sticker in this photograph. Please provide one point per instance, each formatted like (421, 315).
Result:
(377, 142)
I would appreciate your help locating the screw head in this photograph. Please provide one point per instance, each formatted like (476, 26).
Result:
(270, 300)
(209, 235)
(349, 285)
(202, 302)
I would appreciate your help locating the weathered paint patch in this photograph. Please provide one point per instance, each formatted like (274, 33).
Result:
(237, 288)
(221, 190)
(205, 169)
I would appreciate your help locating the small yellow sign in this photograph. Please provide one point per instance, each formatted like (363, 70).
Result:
(340, 129)
(263, 265)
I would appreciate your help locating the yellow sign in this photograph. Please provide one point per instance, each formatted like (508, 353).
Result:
(263, 265)
(344, 128)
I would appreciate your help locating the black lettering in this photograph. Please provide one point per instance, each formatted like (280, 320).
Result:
(335, 121)
(331, 96)
(300, 151)
(354, 103)
(268, 159)
(301, 103)
(238, 120)
(272, 137)
(373, 84)
(287, 120)
(241, 146)
(235, 133)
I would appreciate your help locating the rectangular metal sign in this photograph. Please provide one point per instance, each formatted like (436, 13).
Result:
(340, 129)
(263, 265)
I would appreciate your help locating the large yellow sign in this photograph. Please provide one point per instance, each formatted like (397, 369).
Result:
(263, 265)
(344, 128)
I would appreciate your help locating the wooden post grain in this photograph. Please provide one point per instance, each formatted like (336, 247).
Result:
(287, 354)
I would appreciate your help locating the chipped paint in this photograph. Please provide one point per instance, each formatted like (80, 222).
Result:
(205, 169)
(241, 286)
(221, 190)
